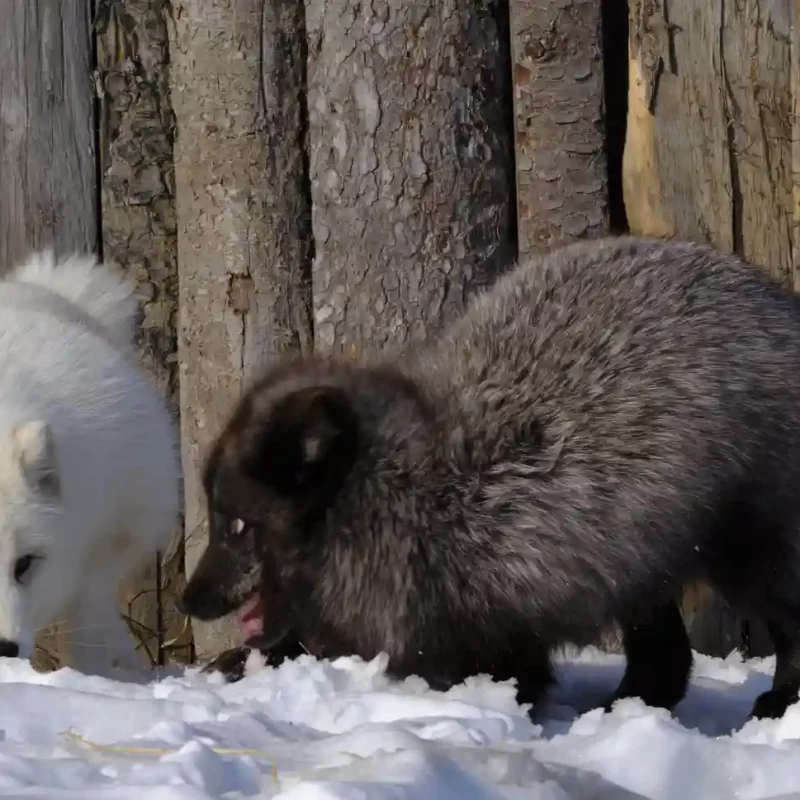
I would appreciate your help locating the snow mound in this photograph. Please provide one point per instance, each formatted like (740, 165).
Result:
(316, 730)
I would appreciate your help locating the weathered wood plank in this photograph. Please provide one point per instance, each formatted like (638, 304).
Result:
(795, 61)
(708, 150)
(755, 67)
(139, 235)
(238, 78)
(677, 172)
(411, 163)
(562, 186)
(756, 81)
(708, 157)
(47, 166)
(46, 129)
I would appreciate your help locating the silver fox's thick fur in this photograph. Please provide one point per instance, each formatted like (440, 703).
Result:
(606, 424)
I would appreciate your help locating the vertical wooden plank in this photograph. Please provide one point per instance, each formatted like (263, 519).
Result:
(708, 157)
(139, 235)
(795, 61)
(238, 91)
(411, 164)
(562, 187)
(708, 150)
(47, 154)
(676, 171)
(560, 130)
(755, 79)
(47, 167)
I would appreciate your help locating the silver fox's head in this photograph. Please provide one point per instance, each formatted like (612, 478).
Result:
(289, 442)
(280, 464)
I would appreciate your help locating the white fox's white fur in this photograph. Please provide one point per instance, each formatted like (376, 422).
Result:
(89, 472)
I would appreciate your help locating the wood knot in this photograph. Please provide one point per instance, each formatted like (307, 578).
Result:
(240, 288)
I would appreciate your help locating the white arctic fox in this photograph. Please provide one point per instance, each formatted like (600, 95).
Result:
(89, 472)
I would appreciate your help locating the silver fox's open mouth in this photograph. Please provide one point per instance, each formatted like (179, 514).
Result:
(251, 616)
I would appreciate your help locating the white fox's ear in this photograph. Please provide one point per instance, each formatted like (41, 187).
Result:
(35, 448)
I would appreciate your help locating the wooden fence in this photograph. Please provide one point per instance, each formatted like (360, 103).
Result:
(713, 154)
(330, 175)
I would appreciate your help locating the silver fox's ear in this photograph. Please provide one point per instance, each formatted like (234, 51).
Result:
(321, 415)
(35, 449)
(309, 435)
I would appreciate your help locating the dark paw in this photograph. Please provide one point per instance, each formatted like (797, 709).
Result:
(772, 704)
(230, 663)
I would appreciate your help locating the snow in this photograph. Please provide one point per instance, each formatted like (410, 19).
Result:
(317, 730)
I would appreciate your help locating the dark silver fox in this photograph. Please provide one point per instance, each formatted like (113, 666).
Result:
(606, 424)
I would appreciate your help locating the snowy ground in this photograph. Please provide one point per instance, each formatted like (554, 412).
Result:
(317, 731)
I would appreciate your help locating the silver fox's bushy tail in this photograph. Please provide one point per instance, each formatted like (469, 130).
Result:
(102, 293)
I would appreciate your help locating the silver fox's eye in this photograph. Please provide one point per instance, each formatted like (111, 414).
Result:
(23, 567)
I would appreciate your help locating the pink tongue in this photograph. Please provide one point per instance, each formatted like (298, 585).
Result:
(251, 617)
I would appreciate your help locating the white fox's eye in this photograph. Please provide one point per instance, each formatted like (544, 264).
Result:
(237, 526)
(23, 567)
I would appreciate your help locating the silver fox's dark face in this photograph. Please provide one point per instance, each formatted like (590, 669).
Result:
(277, 465)
(229, 571)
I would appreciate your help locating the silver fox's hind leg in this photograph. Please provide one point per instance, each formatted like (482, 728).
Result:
(761, 578)
(786, 682)
(659, 658)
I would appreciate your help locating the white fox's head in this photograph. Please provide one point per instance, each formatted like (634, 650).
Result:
(31, 535)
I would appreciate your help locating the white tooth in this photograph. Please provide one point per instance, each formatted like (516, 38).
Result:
(238, 526)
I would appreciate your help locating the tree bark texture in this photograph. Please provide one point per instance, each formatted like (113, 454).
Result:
(562, 184)
(709, 157)
(411, 164)
(139, 235)
(238, 77)
(47, 167)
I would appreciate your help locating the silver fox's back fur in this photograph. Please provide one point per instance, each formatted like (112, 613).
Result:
(659, 383)
(607, 423)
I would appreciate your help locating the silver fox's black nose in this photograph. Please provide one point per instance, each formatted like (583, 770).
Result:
(8, 649)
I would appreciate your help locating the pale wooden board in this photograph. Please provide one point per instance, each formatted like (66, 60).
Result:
(708, 157)
(237, 80)
(47, 154)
